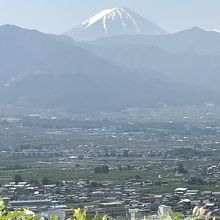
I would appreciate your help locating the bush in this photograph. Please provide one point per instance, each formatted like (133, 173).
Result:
(26, 214)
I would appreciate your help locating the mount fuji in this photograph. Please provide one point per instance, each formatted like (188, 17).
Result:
(115, 21)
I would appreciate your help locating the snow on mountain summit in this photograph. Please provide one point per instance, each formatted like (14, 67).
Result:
(115, 21)
(103, 14)
(111, 14)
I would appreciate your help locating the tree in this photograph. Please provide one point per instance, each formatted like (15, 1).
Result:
(45, 181)
(18, 178)
(181, 169)
(137, 177)
(95, 184)
(195, 181)
(105, 169)
(34, 182)
(102, 169)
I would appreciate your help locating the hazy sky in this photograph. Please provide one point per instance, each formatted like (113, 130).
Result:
(57, 16)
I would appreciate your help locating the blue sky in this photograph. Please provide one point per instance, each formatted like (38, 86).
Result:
(57, 16)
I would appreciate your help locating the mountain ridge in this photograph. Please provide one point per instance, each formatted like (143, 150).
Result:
(193, 39)
(51, 72)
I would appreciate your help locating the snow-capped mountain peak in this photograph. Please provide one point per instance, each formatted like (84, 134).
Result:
(111, 14)
(115, 21)
(216, 30)
(97, 17)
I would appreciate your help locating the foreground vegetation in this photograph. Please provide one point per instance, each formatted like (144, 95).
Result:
(26, 214)
(79, 214)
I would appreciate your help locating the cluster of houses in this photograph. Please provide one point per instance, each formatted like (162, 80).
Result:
(116, 200)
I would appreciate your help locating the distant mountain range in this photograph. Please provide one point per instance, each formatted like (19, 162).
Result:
(42, 70)
(194, 39)
(191, 56)
(111, 22)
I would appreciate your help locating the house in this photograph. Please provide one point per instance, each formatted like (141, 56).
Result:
(180, 191)
(164, 210)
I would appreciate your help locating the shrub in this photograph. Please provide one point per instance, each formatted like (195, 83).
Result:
(25, 214)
